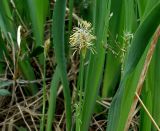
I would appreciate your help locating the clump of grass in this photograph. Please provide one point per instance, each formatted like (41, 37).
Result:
(97, 63)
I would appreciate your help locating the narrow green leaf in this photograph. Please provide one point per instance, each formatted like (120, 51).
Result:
(58, 41)
(141, 7)
(71, 3)
(112, 73)
(156, 90)
(28, 74)
(4, 92)
(142, 35)
(3, 52)
(38, 10)
(37, 51)
(145, 122)
(149, 93)
(21, 128)
(5, 83)
(149, 6)
(96, 62)
(70, 15)
(6, 20)
(52, 100)
(123, 99)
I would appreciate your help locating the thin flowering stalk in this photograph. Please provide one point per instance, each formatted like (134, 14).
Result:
(81, 41)
(80, 102)
(46, 48)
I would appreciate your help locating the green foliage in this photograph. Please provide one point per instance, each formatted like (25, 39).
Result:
(120, 105)
(52, 100)
(4, 92)
(38, 10)
(124, 31)
(112, 73)
(96, 61)
(58, 41)
(6, 19)
(5, 83)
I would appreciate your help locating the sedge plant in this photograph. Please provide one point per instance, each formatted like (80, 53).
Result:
(108, 48)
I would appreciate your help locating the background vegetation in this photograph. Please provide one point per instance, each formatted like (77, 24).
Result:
(79, 65)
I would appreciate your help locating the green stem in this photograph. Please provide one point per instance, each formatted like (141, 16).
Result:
(44, 94)
(81, 79)
(80, 92)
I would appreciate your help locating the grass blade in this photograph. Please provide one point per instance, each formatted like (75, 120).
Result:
(145, 122)
(117, 118)
(38, 11)
(156, 90)
(96, 63)
(28, 74)
(5, 83)
(58, 41)
(4, 92)
(6, 19)
(52, 99)
(112, 73)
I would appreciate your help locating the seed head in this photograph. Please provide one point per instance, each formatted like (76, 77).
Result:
(82, 38)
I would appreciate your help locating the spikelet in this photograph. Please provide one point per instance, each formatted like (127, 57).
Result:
(82, 38)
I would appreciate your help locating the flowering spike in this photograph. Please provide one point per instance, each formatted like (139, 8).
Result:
(81, 39)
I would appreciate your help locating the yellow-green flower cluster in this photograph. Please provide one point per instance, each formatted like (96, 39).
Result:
(82, 38)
